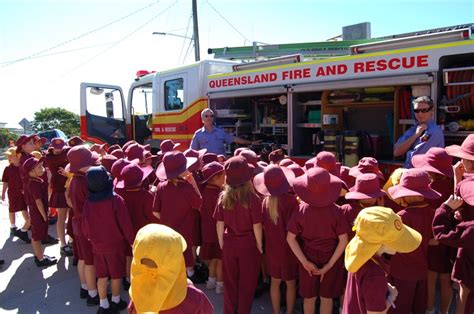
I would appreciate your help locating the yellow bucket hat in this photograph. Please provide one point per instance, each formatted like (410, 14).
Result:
(10, 152)
(36, 154)
(376, 226)
(155, 289)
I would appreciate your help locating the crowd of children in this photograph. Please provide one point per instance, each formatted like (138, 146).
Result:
(324, 230)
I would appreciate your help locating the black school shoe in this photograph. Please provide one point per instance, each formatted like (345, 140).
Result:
(92, 301)
(125, 284)
(66, 250)
(84, 293)
(2, 262)
(45, 262)
(13, 231)
(197, 278)
(117, 307)
(50, 240)
(22, 235)
(101, 310)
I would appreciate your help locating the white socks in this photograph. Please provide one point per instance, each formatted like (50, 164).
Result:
(211, 279)
(104, 303)
(190, 273)
(116, 298)
(84, 286)
(93, 293)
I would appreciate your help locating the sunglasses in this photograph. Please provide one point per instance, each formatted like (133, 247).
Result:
(424, 110)
(209, 116)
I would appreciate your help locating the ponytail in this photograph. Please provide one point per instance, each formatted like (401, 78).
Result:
(272, 207)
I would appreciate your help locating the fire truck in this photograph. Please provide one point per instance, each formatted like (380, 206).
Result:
(354, 103)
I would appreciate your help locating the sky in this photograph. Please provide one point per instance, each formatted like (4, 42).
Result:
(48, 47)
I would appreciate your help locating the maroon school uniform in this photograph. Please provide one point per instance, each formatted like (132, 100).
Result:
(16, 201)
(409, 270)
(210, 244)
(36, 189)
(54, 162)
(139, 203)
(441, 257)
(350, 212)
(241, 259)
(196, 302)
(176, 204)
(24, 176)
(319, 229)
(366, 289)
(279, 258)
(107, 225)
(78, 192)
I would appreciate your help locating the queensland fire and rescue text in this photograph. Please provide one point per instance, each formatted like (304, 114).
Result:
(377, 65)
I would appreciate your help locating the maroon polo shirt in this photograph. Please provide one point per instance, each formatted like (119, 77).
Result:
(350, 212)
(11, 175)
(276, 246)
(366, 289)
(54, 162)
(318, 227)
(37, 190)
(413, 266)
(78, 193)
(107, 225)
(210, 195)
(239, 222)
(139, 203)
(24, 176)
(445, 187)
(196, 302)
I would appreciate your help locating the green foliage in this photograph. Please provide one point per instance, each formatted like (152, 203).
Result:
(57, 118)
(6, 135)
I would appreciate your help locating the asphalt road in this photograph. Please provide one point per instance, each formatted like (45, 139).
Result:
(25, 288)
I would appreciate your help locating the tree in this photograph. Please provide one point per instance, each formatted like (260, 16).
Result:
(5, 136)
(56, 118)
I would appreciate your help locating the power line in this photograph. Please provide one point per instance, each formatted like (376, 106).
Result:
(184, 40)
(228, 22)
(77, 37)
(122, 39)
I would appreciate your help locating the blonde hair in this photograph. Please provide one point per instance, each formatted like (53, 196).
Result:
(231, 195)
(271, 204)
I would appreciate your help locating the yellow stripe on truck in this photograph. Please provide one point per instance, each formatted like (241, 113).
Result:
(181, 116)
(172, 136)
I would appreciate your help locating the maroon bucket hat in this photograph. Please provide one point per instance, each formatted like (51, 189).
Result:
(22, 140)
(221, 158)
(465, 151)
(125, 146)
(318, 187)
(252, 158)
(132, 176)
(31, 163)
(414, 182)
(238, 171)
(173, 164)
(112, 148)
(196, 154)
(367, 165)
(208, 158)
(210, 170)
(285, 162)
(118, 153)
(276, 156)
(37, 138)
(466, 190)
(346, 177)
(117, 167)
(310, 163)
(80, 157)
(328, 161)
(297, 170)
(136, 151)
(168, 146)
(367, 186)
(107, 161)
(436, 160)
(98, 148)
(274, 180)
(57, 143)
(237, 151)
(75, 141)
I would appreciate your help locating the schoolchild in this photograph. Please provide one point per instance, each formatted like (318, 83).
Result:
(127, 144)
(322, 232)
(118, 153)
(285, 162)
(438, 164)
(171, 207)
(212, 184)
(39, 142)
(75, 141)
(367, 165)
(37, 193)
(80, 160)
(365, 193)
(327, 160)
(159, 283)
(107, 161)
(297, 170)
(466, 153)
(99, 149)
(13, 187)
(379, 231)
(56, 158)
(116, 173)
(239, 231)
(346, 177)
(208, 158)
(277, 207)
(409, 271)
(140, 152)
(113, 147)
(252, 158)
(276, 156)
(168, 146)
(107, 225)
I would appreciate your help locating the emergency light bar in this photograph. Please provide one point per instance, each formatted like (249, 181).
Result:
(428, 39)
(267, 63)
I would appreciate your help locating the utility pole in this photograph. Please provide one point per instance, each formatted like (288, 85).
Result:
(195, 32)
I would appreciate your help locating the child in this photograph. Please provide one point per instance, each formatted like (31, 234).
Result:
(80, 160)
(365, 193)
(176, 197)
(107, 225)
(378, 230)
(278, 206)
(159, 283)
(239, 231)
(38, 203)
(212, 183)
(438, 164)
(12, 183)
(322, 231)
(366, 165)
(56, 158)
(409, 271)
(466, 153)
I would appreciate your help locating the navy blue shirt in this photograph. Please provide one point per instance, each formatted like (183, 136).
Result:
(213, 141)
(432, 137)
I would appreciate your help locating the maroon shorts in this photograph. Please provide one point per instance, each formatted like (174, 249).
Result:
(39, 229)
(58, 199)
(111, 265)
(412, 296)
(84, 250)
(333, 283)
(210, 251)
(440, 258)
(283, 269)
(16, 203)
